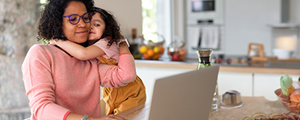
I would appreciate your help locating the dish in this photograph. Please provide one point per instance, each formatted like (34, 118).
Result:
(285, 101)
(273, 116)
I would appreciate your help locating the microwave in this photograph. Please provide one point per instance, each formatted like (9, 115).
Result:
(203, 5)
(200, 11)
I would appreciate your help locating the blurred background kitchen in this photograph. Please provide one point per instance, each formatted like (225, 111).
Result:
(226, 26)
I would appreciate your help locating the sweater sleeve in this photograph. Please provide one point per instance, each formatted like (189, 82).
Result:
(40, 87)
(116, 76)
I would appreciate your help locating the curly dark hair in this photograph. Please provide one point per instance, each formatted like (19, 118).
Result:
(112, 29)
(50, 24)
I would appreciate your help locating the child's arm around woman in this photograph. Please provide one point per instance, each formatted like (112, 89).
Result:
(78, 51)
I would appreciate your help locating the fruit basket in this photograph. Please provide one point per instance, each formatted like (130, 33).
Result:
(176, 50)
(291, 103)
(289, 94)
(152, 50)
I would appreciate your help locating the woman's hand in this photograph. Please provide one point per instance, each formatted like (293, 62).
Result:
(73, 116)
(109, 117)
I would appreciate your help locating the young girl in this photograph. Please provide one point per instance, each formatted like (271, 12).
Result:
(103, 39)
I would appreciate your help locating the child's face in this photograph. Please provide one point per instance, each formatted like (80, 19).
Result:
(97, 27)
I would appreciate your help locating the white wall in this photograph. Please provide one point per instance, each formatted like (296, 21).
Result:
(244, 21)
(127, 12)
(247, 21)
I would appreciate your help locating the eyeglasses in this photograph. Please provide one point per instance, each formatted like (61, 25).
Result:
(75, 18)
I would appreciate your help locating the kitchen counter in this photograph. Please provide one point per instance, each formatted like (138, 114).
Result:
(250, 106)
(250, 80)
(271, 67)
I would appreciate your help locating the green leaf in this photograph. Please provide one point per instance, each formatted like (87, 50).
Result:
(44, 41)
(285, 82)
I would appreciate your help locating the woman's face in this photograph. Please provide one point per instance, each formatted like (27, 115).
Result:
(76, 33)
(98, 27)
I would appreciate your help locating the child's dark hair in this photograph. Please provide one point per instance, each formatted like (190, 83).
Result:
(112, 29)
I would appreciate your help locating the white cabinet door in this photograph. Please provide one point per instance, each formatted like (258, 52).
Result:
(241, 82)
(266, 84)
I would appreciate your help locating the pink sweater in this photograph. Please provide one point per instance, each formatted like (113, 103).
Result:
(57, 83)
(111, 52)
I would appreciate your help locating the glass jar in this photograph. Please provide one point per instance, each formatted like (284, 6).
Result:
(204, 56)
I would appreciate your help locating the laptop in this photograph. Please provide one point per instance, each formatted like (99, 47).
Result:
(186, 96)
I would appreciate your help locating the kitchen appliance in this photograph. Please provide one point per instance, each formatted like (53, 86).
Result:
(231, 99)
(199, 11)
(203, 5)
(281, 53)
(285, 47)
(204, 19)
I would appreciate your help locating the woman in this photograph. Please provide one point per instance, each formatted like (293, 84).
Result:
(103, 38)
(60, 86)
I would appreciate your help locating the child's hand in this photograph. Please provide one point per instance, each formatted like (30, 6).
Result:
(124, 47)
(123, 42)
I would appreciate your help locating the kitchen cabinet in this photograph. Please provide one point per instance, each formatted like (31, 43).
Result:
(248, 80)
(241, 82)
(266, 84)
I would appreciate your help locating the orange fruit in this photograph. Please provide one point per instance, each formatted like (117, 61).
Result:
(150, 52)
(156, 56)
(146, 56)
(162, 49)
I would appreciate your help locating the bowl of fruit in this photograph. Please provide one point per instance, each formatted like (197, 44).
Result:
(177, 54)
(289, 94)
(176, 50)
(151, 50)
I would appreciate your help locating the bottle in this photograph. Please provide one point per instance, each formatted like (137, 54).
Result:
(133, 33)
(204, 56)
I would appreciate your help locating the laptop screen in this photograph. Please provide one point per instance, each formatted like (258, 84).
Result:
(186, 96)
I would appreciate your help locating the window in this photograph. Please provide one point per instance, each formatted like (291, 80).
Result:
(157, 20)
(149, 19)
(43, 1)
(41, 6)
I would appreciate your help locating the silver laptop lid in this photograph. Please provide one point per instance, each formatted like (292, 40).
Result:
(186, 96)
